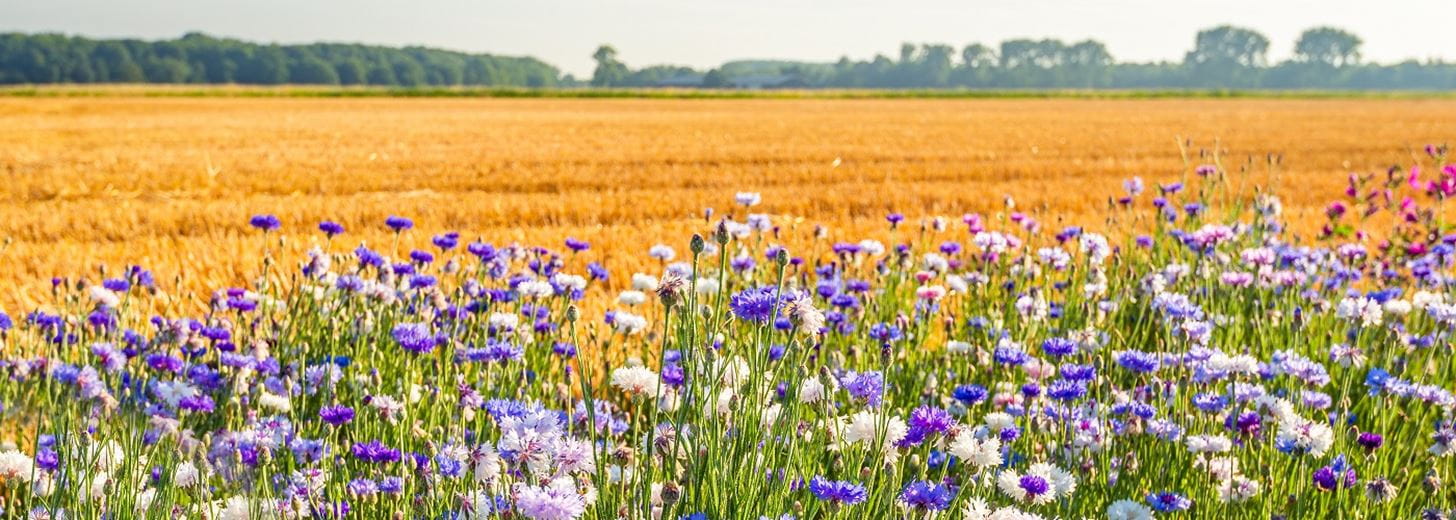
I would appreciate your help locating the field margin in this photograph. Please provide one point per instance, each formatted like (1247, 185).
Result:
(303, 91)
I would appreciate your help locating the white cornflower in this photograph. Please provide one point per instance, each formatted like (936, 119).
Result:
(1398, 307)
(186, 475)
(1362, 309)
(1208, 443)
(644, 282)
(662, 252)
(628, 323)
(570, 282)
(15, 465)
(802, 311)
(536, 289)
(275, 402)
(486, 465)
(103, 296)
(957, 347)
(867, 426)
(1310, 437)
(632, 298)
(635, 380)
(977, 509)
(811, 391)
(935, 262)
(1042, 483)
(504, 321)
(748, 198)
(871, 247)
(978, 453)
(998, 421)
(1237, 489)
(930, 293)
(1128, 510)
(707, 285)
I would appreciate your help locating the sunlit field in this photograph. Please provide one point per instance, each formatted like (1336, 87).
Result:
(169, 183)
(726, 309)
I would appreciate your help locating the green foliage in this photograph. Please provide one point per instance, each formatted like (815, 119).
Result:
(198, 58)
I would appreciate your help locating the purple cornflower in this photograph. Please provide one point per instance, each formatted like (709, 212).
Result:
(398, 223)
(375, 451)
(337, 415)
(1058, 347)
(1066, 390)
(1338, 474)
(265, 222)
(969, 394)
(926, 421)
(838, 492)
(927, 496)
(446, 241)
(331, 228)
(577, 246)
(1168, 502)
(865, 386)
(415, 337)
(1009, 355)
(1137, 361)
(754, 305)
(1371, 440)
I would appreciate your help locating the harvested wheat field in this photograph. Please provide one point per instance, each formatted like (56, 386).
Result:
(169, 183)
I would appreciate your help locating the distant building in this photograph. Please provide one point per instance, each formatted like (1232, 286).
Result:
(747, 81)
(681, 81)
(763, 81)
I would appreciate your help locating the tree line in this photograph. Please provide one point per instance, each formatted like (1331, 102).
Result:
(1222, 57)
(199, 58)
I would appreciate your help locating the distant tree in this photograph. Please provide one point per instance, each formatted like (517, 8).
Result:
(409, 73)
(381, 74)
(609, 71)
(1227, 56)
(313, 71)
(715, 79)
(1329, 46)
(935, 65)
(1088, 64)
(977, 56)
(351, 72)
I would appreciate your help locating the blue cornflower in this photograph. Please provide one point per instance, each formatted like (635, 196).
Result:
(337, 415)
(1058, 347)
(927, 496)
(754, 305)
(416, 337)
(839, 492)
(331, 228)
(1066, 390)
(1137, 361)
(398, 223)
(1010, 355)
(865, 386)
(969, 394)
(265, 222)
(1211, 403)
(1168, 502)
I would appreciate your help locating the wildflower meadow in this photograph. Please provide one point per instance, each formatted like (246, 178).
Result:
(1185, 355)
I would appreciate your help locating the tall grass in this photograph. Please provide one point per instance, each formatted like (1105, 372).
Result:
(1192, 358)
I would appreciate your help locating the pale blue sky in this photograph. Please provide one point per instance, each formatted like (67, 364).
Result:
(705, 33)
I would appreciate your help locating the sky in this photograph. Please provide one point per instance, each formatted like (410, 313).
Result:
(702, 33)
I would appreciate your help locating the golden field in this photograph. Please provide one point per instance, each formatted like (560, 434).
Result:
(169, 183)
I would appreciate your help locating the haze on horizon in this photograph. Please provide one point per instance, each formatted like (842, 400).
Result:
(703, 35)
